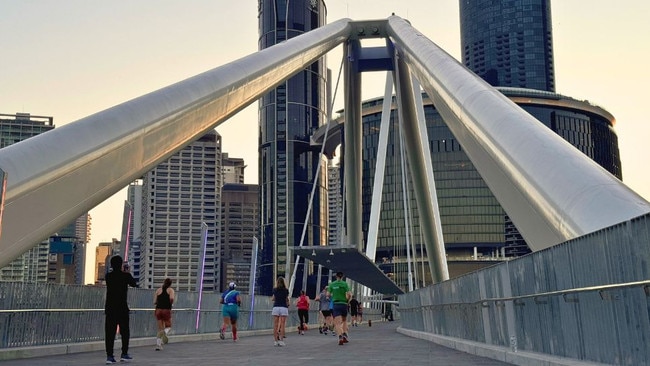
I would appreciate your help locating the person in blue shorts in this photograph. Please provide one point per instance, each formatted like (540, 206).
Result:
(231, 302)
(340, 293)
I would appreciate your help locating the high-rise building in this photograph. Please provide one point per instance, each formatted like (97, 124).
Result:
(21, 126)
(103, 252)
(133, 229)
(473, 222)
(178, 196)
(508, 43)
(335, 205)
(66, 260)
(239, 225)
(80, 231)
(288, 115)
(80, 228)
(233, 169)
(31, 266)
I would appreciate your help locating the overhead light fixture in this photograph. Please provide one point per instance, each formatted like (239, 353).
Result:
(313, 252)
(331, 252)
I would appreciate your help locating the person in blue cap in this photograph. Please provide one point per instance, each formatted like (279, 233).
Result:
(231, 302)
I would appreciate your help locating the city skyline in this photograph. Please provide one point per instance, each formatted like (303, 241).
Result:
(73, 59)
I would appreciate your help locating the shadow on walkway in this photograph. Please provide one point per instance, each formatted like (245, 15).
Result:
(377, 345)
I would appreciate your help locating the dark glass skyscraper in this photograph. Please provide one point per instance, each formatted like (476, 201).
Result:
(508, 42)
(288, 116)
(474, 225)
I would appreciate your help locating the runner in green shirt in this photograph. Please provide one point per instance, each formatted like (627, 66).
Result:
(340, 293)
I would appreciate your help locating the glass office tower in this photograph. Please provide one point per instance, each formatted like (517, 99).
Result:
(474, 225)
(288, 116)
(508, 43)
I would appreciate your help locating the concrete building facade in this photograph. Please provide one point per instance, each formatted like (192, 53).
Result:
(177, 197)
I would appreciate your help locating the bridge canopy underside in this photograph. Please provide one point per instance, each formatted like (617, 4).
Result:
(354, 265)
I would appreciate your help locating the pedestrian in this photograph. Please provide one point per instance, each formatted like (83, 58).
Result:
(303, 311)
(116, 309)
(360, 315)
(280, 311)
(331, 323)
(162, 300)
(354, 309)
(230, 310)
(326, 313)
(340, 293)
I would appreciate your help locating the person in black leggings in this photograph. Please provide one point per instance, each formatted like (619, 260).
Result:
(116, 308)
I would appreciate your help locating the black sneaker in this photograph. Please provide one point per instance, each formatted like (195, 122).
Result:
(125, 357)
(110, 360)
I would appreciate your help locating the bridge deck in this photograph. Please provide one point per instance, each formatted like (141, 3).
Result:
(380, 344)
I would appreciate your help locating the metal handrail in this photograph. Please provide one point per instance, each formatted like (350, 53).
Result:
(483, 302)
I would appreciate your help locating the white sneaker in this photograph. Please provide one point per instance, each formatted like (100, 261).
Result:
(276, 343)
(281, 344)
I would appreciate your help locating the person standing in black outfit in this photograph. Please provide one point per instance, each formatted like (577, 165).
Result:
(116, 309)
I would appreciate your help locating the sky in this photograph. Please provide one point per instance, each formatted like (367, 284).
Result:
(71, 58)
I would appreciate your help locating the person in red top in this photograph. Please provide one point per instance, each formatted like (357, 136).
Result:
(303, 311)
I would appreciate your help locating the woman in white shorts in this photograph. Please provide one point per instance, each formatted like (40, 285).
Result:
(280, 311)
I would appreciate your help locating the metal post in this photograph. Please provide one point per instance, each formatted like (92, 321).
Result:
(353, 145)
(415, 152)
(201, 270)
(380, 168)
(251, 280)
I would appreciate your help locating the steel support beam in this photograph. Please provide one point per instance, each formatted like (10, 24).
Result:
(380, 170)
(415, 152)
(552, 191)
(352, 157)
(57, 176)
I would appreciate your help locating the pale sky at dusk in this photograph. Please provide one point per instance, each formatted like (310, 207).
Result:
(71, 58)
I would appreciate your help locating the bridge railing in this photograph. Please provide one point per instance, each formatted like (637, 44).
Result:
(37, 314)
(585, 299)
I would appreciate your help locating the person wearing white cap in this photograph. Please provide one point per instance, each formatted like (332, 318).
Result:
(231, 302)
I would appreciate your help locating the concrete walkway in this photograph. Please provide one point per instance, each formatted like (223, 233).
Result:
(378, 345)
